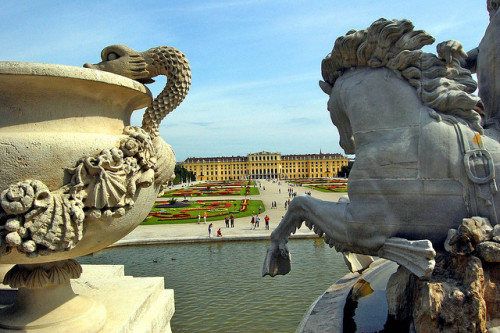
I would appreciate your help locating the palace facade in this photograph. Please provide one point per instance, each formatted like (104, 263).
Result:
(266, 165)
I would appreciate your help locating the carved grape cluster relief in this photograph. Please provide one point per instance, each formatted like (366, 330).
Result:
(36, 221)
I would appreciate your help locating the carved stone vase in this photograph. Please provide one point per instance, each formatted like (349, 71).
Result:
(74, 178)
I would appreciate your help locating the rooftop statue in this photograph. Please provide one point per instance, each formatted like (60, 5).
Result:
(423, 159)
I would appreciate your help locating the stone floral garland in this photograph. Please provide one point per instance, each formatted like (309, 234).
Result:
(36, 221)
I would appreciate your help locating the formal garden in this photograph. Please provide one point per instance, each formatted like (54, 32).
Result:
(340, 187)
(323, 184)
(211, 191)
(186, 211)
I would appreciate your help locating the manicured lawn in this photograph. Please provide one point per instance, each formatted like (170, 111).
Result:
(187, 211)
(211, 191)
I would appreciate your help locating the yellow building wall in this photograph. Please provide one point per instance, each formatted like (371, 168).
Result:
(268, 165)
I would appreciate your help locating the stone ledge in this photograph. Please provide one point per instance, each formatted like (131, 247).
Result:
(132, 304)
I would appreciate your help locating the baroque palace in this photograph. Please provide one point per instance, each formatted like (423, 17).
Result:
(265, 165)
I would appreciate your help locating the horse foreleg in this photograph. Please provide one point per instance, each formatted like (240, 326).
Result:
(322, 216)
(330, 220)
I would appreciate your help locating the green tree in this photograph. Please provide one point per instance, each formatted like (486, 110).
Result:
(182, 175)
(345, 170)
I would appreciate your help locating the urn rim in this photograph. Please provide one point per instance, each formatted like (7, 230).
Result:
(73, 72)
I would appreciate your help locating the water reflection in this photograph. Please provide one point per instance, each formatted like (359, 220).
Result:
(366, 305)
(219, 288)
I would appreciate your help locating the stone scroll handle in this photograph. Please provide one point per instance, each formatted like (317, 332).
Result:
(142, 66)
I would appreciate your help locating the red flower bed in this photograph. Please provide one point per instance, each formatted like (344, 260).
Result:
(333, 188)
(215, 208)
(203, 191)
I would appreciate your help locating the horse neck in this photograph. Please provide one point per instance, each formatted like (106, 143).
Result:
(385, 114)
(376, 100)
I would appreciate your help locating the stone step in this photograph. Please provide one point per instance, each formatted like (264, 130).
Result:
(103, 271)
(132, 304)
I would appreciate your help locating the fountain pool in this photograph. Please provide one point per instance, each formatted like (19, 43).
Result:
(218, 285)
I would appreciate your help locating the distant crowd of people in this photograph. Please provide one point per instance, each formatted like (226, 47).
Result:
(229, 221)
(256, 217)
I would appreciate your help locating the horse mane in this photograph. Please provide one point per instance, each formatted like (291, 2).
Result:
(397, 46)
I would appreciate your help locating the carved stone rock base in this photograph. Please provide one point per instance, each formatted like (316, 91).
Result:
(463, 293)
(51, 309)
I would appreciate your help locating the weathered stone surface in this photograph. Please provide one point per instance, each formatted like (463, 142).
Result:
(496, 233)
(452, 301)
(478, 229)
(471, 232)
(492, 292)
(489, 251)
(399, 294)
(463, 294)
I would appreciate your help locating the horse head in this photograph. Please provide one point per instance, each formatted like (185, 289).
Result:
(395, 45)
(341, 120)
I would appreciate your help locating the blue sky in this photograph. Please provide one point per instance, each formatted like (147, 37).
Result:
(255, 64)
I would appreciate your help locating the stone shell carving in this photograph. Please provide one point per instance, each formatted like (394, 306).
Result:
(36, 221)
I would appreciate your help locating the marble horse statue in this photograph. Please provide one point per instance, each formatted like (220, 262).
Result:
(423, 159)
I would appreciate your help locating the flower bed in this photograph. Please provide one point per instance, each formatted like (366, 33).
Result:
(213, 208)
(165, 204)
(208, 191)
(342, 188)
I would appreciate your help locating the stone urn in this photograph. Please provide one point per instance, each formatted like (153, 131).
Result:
(76, 177)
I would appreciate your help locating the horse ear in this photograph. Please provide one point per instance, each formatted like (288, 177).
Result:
(326, 87)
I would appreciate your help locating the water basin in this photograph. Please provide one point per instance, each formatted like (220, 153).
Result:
(219, 288)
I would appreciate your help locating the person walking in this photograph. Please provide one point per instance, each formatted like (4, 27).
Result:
(232, 221)
(205, 217)
(210, 230)
(227, 221)
(267, 222)
(257, 221)
(253, 222)
(199, 218)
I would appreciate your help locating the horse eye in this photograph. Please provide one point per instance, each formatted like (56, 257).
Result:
(112, 56)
